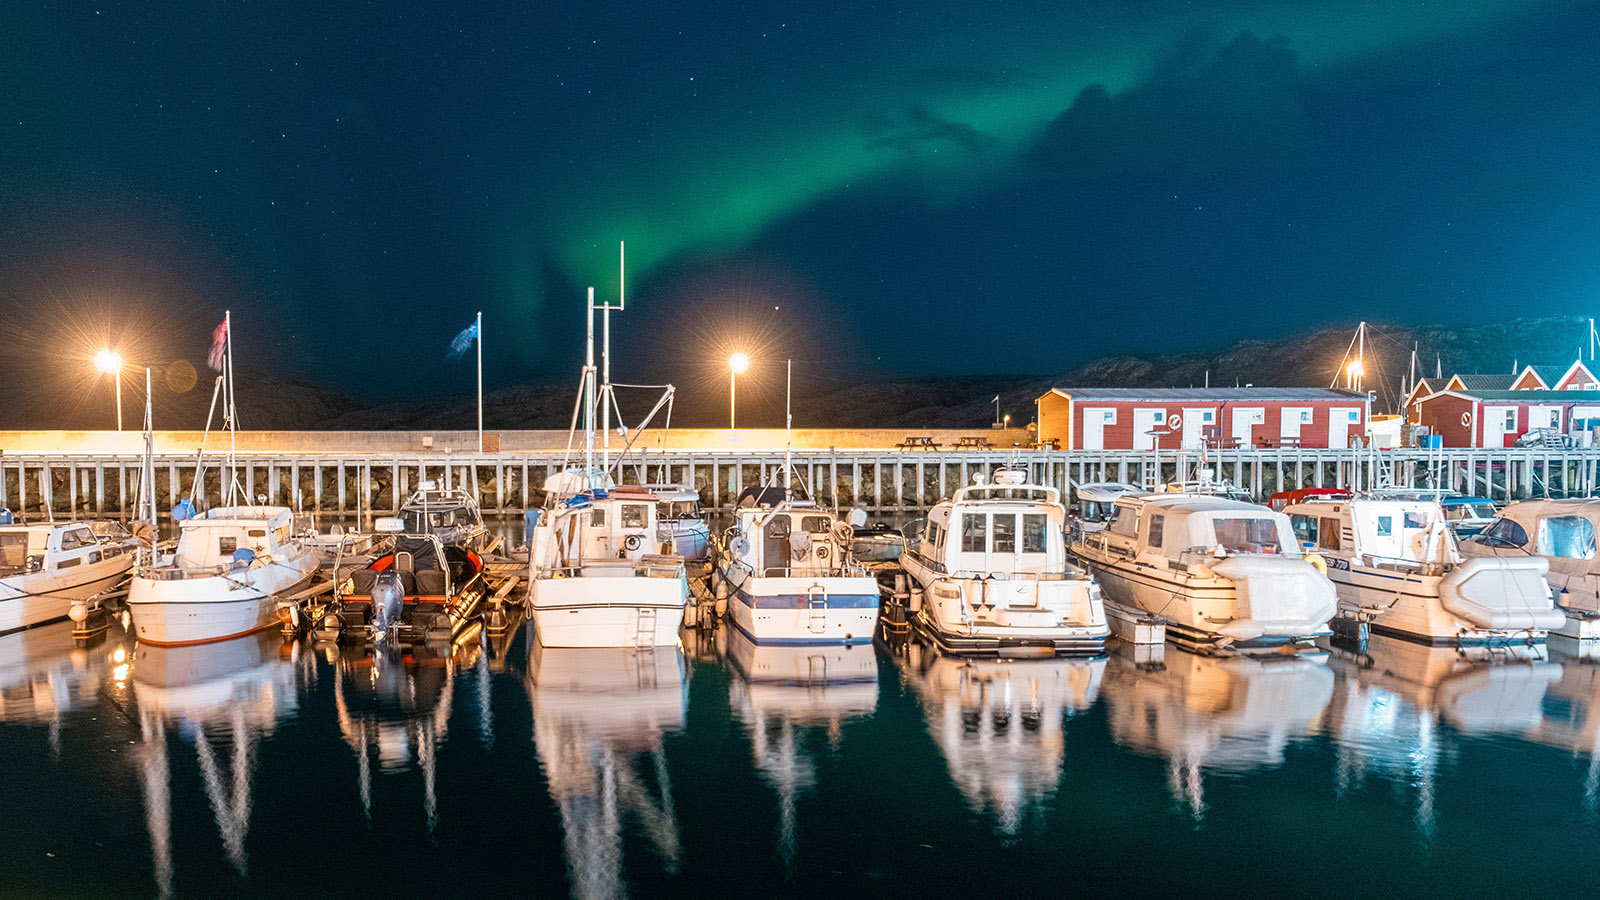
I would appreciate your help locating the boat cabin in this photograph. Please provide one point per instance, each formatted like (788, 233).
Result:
(229, 535)
(619, 523)
(1182, 526)
(1561, 530)
(1403, 533)
(450, 515)
(795, 539)
(677, 502)
(25, 549)
(996, 528)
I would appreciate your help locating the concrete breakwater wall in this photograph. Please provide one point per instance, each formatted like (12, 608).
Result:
(881, 481)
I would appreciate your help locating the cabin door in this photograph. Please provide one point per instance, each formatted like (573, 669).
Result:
(1498, 422)
(1339, 422)
(1245, 418)
(1292, 418)
(1146, 421)
(1095, 421)
(1195, 422)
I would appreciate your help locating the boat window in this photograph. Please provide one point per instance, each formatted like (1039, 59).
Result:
(1005, 532)
(1416, 520)
(258, 532)
(597, 517)
(283, 534)
(1305, 528)
(1247, 535)
(226, 545)
(1090, 511)
(1034, 528)
(1385, 526)
(74, 538)
(1124, 521)
(13, 550)
(815, 524)
(633, 515)
(1328, 538)
(974, 533)
(1504, 533)
(1569, 537)
(68, 563)
(1158, 525)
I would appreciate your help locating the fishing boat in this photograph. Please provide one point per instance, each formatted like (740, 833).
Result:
(1222, 573)
(599, 575)
(1561, 535)
(680, 526)
(992, 574)
(47, 570)
(1397, 569)
(223, 580)
(423, 589)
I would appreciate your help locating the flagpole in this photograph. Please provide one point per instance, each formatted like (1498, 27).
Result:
(479, 329)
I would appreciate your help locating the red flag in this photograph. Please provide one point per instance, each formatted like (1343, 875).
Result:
(219, 344)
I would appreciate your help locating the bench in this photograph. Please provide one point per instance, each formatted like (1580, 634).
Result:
(973, 440)
(919, 442)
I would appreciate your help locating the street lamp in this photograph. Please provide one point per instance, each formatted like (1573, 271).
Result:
(110, 362)
(736, 363)
(1353, 373)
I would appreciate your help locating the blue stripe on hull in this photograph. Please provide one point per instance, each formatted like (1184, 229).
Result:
(802, 642)
(803, 601)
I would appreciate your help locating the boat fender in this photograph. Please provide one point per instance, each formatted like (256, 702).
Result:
(738, 547)
(633, 542)
(1318, 563)
(800, 545)
(843, 533)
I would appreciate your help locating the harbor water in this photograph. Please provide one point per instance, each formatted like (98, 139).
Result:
(497, 768)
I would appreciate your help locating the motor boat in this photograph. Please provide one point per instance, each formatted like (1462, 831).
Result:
(992, 574)
(224, 578)
(1397, 569)
(599, 572)
(50, 570)
(680, 526)
(1222, 573)
(451, 515)
(1001, 723)
(1560, 534)
(877, 542)
(1090, 506)
(786, 572)
(421, 590)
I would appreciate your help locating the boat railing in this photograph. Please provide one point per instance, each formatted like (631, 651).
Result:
(845, 570)
(181, 573)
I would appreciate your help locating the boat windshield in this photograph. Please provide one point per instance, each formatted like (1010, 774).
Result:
(677, 509)
(1457, 511)
(1247, 535)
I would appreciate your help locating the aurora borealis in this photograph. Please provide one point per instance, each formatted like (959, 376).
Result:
(356, 181)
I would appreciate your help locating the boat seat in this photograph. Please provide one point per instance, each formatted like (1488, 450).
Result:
(430, 583)
(363, 580)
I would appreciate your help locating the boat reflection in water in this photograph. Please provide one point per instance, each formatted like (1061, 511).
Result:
(1230, 714)
(394, 702)
(1571, 707)
(224, 698)
(999, 722)
(44, 674)
(600, 715)
(779, 690)
(1392, 694)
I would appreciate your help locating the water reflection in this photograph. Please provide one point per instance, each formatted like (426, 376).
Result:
(44, 674)
(394, 703)
(599, 719)
(1392, 694)
(1232, 714)
(778, 691)
(999, 723)
(224, 698)
(1571, 708)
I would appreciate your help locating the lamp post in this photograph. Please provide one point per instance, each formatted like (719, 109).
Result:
(110, 362)
(1353, 373)
(736, 363)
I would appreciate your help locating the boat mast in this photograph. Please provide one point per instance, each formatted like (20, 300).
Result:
(231, 412)
(588, 387)
(147, 492)
(607, 394)
(788, 424)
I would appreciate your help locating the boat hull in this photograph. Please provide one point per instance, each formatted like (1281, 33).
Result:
(41, 597)
(798, 610)
(607, 612)
(1030, 621)
(1409, 607)
(213, 608)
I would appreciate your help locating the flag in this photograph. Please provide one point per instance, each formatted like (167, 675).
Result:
(219, 346)
(996, 399)
(463, 341)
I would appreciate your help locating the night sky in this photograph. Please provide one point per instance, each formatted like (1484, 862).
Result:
(878, 189)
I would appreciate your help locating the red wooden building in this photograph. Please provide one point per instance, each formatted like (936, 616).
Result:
(1465, 418)
(1170, 418)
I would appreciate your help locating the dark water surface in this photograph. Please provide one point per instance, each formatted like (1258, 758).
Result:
(263, 769)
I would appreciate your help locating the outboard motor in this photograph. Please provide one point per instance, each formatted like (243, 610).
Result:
(388, 596)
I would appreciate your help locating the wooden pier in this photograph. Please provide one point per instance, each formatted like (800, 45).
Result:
(880, 481)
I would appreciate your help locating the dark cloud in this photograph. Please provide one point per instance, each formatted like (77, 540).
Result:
(1200, 111)
(915, 128)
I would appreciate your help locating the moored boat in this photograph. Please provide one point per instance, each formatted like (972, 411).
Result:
(47, 569)
(421, 590)
(1561, 534)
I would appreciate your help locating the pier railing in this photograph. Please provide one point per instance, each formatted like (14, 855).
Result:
(879, 481)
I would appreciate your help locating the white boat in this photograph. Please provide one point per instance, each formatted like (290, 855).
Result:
(1091, 505)
(992, 574)
(599, 575)
(223, 579)
(1396, 567)
(1221, 572)
(1001, 723)
(680, 526)
(47, 569)
(787, 574)
(1561, 534)
(451, 515)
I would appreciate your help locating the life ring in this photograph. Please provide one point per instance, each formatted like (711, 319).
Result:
(1174, 420)
(1318, 563)
(633, 542)
(1466, 420)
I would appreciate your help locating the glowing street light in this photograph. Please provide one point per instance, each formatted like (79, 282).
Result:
(736, 363)
(110, 362)
(1353, 373)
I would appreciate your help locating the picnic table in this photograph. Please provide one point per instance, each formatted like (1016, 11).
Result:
(918, 442)
(973, 440)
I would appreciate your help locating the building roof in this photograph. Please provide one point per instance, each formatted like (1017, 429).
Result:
(1485, 382)
(1525, 396)
(1213, 394)
(1550, 375)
